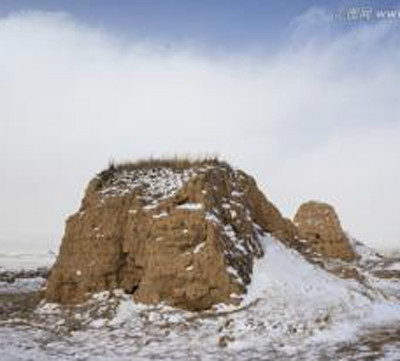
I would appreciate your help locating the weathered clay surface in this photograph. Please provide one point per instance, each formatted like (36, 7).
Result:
(319, 226)
(187, 236)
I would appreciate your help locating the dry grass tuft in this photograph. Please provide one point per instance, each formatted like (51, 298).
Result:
(174, 163)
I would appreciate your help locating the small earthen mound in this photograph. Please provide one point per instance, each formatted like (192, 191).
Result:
(184, 233)
(319, 226)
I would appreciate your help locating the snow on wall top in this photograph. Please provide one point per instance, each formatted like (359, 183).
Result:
(155, 183)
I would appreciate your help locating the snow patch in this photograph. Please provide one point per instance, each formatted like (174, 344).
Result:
(160, 215)
(199, 247)
(190, 206)
(153, 183)
(212, 217)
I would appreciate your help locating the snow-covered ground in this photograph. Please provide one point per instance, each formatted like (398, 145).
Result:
(293, 311)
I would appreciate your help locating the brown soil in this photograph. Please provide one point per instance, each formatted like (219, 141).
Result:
(186, 235)
(319, 226)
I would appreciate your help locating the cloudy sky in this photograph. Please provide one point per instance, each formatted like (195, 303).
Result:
(298, 96)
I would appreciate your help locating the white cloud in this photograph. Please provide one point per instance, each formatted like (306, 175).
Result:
(317, 119)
